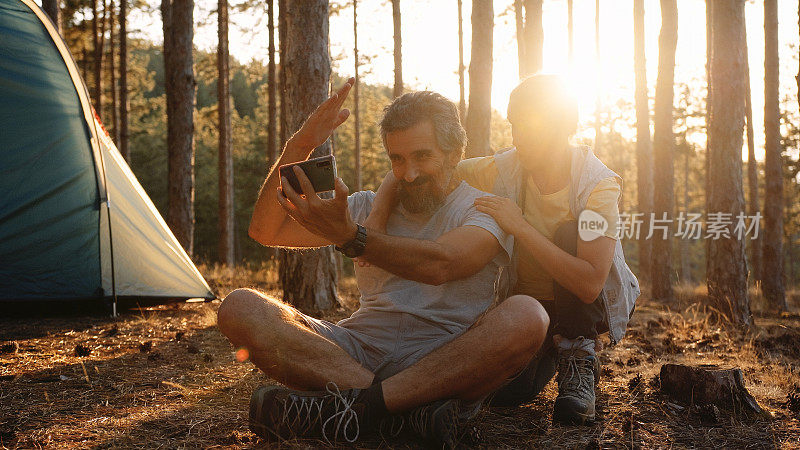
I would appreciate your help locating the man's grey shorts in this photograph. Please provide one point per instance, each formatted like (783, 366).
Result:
(384, 343)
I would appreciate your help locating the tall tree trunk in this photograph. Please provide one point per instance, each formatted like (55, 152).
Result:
(597, 105)
(519, 21)
(709, 56)
(282, 73)
(123, 80)
(772, 275)
(95, 44)
(398, 49)
(113, 74)
(663, 152)
(177, 17)
(534, 36)
(272, 146)
(686, 267)
(644, 148)
(52, 8)
(570, 34)
(752, 167)
(225, 164)
(98, 59)
(725, 263)
(356, 115)
(85, 66)
(479, 115)
(309, 277)
(462, 104)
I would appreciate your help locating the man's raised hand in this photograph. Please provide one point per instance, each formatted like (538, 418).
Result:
(321, 123)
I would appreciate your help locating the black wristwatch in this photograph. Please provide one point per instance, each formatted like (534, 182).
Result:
(355, 247)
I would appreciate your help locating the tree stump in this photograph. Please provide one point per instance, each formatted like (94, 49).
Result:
(708, 384)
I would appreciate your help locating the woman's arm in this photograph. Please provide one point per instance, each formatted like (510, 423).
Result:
(384, 203)
(584, 275)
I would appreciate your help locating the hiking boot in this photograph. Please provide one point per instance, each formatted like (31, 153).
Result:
(438, 423)
(577, 372)
(332, 415)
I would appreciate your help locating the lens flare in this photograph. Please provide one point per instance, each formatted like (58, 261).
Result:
(242, 355)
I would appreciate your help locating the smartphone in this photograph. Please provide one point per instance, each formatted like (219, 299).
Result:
(320, 171)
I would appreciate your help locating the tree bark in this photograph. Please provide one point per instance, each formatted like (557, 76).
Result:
(644, 148)
(707, 385)
(597, 131)
(752, 167)
(309, 277)
(709, 56)
(123, 80)
(272, 146)
(177, 16)
(479, 114)
(98, 57)
(113, 74)
(772, 275)
(534, 36)
(570, 34)
(519, 21)
(686, 266)
(282, 73)
(663, 152)
(462, 104)
(398, 49)
(225, 164)
(726, 268)
(53, 10)
(356, 114)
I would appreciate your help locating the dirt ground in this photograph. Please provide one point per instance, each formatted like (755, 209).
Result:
(164, 377)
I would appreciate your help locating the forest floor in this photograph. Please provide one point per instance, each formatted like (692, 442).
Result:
(164, 376)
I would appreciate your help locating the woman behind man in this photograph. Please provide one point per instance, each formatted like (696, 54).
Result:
(544, 189)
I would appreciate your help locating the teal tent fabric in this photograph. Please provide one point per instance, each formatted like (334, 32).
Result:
(49, 201)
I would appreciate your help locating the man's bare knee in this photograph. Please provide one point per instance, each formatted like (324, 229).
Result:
(243, 309)
(526, 322)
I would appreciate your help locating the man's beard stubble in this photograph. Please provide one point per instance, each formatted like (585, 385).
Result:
(422, 196)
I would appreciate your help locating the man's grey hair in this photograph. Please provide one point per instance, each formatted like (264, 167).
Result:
(410, 109)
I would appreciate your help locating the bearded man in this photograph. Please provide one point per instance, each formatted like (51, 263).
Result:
(423, 347)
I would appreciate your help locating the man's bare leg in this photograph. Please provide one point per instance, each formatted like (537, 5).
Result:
(476, 363)
(280, 344)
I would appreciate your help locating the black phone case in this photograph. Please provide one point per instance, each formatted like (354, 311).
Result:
(320, 171)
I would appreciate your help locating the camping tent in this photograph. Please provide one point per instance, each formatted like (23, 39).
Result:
(75, 224)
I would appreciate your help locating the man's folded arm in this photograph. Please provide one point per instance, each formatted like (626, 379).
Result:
(459, 253)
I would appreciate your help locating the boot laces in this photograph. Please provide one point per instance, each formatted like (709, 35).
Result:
(575, 373)
(303, 414)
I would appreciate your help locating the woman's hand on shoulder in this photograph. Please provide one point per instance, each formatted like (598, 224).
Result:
(504, 211)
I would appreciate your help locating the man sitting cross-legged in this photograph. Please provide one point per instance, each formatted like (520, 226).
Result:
(423, 344)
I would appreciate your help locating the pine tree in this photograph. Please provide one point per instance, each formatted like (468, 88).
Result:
(725, 262)
(772, 275)
(479, 114)
(225, 165)
(178, 24)
(644, 148)
(398, 49)
(308, 278)
(663, 152)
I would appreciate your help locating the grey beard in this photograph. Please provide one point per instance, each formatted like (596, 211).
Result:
(427, 202)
